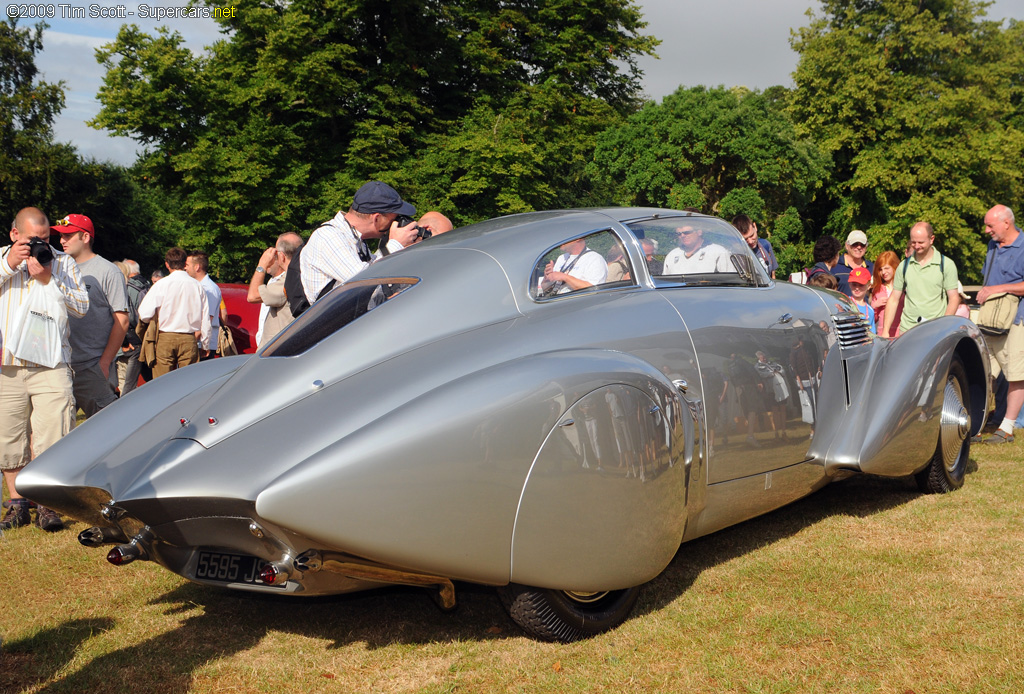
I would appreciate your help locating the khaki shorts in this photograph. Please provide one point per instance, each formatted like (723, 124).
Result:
(1007, 353)
(37, 408)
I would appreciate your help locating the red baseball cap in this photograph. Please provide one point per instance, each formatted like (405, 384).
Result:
(860, 275)
(74, 223)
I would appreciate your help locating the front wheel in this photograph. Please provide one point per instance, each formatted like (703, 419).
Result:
(563, 615)
(948, 466)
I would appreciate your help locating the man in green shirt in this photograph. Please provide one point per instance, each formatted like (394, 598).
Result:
(927, 278)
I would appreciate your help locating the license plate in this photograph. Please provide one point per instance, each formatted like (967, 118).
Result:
(229, 568)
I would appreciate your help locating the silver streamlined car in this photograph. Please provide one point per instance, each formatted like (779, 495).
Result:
(454, 413)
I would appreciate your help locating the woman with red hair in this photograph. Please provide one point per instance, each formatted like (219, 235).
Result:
(886, 265)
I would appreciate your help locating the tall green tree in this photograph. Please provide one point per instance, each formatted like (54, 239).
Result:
(919, 104)
(29, 160)
(303, 101)
(723, 151)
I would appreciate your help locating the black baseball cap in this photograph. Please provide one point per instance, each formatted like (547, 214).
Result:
(377, 196)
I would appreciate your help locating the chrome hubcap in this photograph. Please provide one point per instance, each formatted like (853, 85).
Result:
(584, 597)
(955, 424)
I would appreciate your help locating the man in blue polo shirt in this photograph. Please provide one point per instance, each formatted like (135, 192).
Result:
(1004, 274)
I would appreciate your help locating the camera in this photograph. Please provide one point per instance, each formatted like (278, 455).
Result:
(40, 250)
(405, 220)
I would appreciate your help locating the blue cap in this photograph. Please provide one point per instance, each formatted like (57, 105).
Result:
(377, 196)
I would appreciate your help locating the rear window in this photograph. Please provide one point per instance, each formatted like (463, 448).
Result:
(333, 312)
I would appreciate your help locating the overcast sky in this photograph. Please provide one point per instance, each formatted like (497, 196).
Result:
(710, 42)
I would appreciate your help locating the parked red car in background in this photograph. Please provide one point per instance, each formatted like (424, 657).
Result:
(242, 317)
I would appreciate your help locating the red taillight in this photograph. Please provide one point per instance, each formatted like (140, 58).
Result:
(121, 555)
(269, 574)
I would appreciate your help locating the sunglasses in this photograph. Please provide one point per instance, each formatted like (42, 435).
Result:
(858, 245)
(686, 233)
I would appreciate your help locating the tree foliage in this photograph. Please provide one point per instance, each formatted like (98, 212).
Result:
(29, 161)
(918, 102)
(477, 107)
(35, 171)
(723, 151)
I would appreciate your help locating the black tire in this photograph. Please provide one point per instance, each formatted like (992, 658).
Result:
(948, 466)
(558, 615)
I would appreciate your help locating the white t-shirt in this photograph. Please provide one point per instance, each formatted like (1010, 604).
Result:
(588, 266)
(708, 258)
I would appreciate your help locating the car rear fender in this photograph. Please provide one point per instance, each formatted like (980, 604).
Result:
(435, 485)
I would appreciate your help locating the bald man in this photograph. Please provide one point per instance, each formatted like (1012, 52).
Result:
(433, 221)
(36, 400)
(275, 313)
(1004, 274)
(927, 279)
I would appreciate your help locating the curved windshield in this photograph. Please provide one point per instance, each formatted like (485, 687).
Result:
(333, 312)
(698, 250)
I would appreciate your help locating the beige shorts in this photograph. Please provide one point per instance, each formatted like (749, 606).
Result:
(36, 407)
(1007, 353)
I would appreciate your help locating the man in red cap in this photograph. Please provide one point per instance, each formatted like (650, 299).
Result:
(97, 336)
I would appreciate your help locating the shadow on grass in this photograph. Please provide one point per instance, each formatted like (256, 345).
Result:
(231, 623)
(29, 662)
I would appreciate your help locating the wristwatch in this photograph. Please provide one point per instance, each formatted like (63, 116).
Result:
(259, 268)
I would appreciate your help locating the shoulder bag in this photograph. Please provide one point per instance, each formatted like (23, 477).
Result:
(998, 312)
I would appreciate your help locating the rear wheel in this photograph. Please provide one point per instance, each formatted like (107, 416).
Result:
(948, 466)
(563, 615)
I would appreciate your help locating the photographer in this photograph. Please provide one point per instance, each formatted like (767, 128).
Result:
(35, 400)
(337, 249)
(431, 224)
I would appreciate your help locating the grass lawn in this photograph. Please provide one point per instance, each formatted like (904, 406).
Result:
(866, 586)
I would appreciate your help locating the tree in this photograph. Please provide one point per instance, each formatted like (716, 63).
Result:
(918, 103)
(302, 102)
(29, 161)
(723, 151)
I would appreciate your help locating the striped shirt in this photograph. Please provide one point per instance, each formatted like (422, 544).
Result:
(332, 253)
(14, 288)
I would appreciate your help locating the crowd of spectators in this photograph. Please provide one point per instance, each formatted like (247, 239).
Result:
(109, 325)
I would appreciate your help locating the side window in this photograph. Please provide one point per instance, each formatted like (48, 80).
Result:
(582, 264)
(699, 250)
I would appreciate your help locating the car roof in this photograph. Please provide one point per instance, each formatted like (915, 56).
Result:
(516, 241)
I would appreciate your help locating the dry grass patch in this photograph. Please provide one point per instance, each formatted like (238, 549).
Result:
(864, 587)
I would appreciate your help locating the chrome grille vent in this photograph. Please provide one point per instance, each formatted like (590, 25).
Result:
(851, 329)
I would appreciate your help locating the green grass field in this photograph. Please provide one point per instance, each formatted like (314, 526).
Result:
(866, 586)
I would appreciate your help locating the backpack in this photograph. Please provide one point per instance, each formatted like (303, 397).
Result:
(136, 288)
(293, 286)
(942, 271)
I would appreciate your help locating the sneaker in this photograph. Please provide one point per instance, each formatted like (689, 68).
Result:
(48, 520)
(17, 515)
(999, 437)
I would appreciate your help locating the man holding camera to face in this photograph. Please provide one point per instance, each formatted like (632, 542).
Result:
(37, 405)
(337, 249)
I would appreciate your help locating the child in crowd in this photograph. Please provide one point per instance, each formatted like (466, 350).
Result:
(860, 283)
(825, 280)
